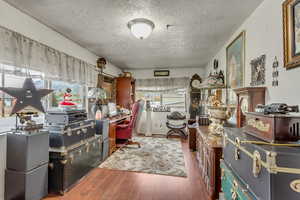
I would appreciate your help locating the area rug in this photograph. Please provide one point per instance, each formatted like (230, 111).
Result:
(156, 156)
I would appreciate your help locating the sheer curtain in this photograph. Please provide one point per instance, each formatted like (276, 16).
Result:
(20, 51)
(162, 84)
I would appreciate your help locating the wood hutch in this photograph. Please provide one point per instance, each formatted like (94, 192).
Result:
(125, 87)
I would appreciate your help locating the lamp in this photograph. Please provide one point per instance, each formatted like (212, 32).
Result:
(141, 28)
(99, 92)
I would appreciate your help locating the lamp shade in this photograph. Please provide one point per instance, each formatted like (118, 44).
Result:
(141, 28)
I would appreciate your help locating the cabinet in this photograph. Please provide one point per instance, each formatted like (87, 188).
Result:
(208, 154)
(125, 91)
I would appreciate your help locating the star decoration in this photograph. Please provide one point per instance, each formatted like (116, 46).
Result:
(28, 97)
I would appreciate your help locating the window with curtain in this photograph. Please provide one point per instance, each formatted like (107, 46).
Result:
(12, 76)
(59, 87)
(170, 92)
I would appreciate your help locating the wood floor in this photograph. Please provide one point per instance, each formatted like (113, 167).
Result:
(104, 184)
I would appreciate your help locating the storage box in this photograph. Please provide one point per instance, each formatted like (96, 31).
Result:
(62, 136)
(269, 172)
(102, 128)
(30, 185)
(64, 117)
(68, 166)
(2, 164)
(26, 151)
(274, 127)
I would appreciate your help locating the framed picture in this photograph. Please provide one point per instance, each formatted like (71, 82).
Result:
(235, 67)
(291, 33)
(161, 73)
(258, 75)
(235, 62)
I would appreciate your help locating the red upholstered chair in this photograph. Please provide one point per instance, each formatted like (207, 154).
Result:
(124, 131)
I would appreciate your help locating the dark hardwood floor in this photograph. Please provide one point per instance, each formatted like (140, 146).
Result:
(104, 184)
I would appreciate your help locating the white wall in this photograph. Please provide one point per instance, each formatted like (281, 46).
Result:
(17, 21)
(264, 35)
(174, 72)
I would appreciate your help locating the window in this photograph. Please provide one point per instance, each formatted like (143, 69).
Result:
(14, 77)
(60, 87)
(175, 99)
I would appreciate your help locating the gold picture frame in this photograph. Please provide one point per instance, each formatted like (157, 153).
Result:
(291, 33)
(236, 49)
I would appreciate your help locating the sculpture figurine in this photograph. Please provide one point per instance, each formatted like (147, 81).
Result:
(218, 115)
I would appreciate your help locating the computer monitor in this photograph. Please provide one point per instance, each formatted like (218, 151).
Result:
(112, 109)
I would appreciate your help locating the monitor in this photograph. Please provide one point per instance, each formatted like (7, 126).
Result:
(112, 109)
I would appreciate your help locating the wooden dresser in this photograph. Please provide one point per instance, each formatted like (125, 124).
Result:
(209, 153)
(125, 92)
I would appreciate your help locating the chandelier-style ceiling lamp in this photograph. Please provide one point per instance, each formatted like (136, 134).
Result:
(141, 28)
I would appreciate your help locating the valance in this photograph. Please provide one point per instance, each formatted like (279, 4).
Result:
(162, 84)
(21, 51)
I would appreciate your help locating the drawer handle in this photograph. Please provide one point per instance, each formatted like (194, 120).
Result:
(256, 164)
(233, 190)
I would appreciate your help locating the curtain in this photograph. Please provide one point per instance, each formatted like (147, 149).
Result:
(162, 84)
(23, 52)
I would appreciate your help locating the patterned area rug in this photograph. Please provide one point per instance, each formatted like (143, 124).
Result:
(156, 156)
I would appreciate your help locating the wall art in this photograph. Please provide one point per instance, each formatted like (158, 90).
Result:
(235, 59)
(258, 69)
(275, 72)
(291, 33)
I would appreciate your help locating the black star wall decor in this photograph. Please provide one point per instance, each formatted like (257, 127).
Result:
(28, 97)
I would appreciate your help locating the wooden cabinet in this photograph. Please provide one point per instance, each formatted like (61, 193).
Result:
(209, 153)
(192, 138)
(112, 138)
(125, 91)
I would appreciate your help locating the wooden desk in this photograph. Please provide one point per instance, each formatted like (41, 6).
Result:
(113, 122)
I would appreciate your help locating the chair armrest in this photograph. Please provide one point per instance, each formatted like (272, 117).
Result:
(122, 126)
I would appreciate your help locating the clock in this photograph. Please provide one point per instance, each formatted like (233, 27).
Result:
(195, 82)
(195, 96)
(247, 99)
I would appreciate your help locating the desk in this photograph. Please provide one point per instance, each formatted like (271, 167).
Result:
(113, 122)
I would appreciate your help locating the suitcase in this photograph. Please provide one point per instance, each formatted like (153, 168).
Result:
(270, 172)
(26, 151)
(29, 185)
(102, 128)
(232, 187)
(274, 127)
(63, 117)
(68, 166)
(62, 136)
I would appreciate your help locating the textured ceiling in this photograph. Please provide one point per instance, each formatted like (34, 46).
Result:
(200, 28)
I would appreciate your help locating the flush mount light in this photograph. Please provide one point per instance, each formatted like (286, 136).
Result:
(141, 28)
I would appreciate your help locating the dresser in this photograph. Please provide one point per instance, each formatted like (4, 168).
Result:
(2, 164)
(208, 154)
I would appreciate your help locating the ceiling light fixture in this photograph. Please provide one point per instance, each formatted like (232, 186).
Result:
(141, 28)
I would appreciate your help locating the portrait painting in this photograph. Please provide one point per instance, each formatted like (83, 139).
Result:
(235, 66)
(235, 59)
(291, 33)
